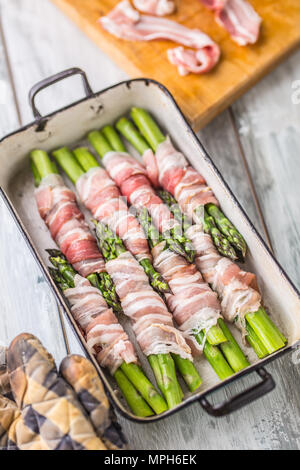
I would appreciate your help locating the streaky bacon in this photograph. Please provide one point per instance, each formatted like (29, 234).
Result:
(105, 337)
(101, 196)
(238, 17)
(152, 322)
(132, 179)
(236, 288)
(57, 206)
(190, 61)
(180, 179)
(126, 23)
(155, 7)
(194, 305)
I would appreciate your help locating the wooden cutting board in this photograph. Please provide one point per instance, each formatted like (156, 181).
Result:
(201, 97)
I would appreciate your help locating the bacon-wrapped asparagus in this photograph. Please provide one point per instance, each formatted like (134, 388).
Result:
(237, 289)
(152, 322)
(57, 206)
(102, 197)
(107, 339)
(181, 180)
(132, 179)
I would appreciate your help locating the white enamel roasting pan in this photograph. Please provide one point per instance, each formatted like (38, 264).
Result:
(70, 125)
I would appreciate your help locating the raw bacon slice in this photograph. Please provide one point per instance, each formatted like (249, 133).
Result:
(152, 322)
(126, 23)
(132, 179)
(236, 288)
(102, 197)
(180, 179)
(57, 206)
(238, 17)
(155, 7)
(194, 305)
(105, 336)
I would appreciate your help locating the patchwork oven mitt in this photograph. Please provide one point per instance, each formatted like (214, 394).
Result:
(41, 409)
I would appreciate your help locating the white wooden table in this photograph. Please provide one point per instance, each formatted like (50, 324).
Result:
(256, 144)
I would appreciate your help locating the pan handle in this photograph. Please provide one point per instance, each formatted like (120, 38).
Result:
(242, 399)
(46, 82)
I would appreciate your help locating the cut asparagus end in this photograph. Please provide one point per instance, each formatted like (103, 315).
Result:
(171, 388)
(42, 163)
(135, 402)
(215, 335)
(85, 159)
(147, 127)
(231, 350)
(68, 163)
(113, 138)
(36, 176)
(131, 133)
(267, 332)
(256, 343)
(188, 371)
(215, 358)
(100, 143)
(136, 376)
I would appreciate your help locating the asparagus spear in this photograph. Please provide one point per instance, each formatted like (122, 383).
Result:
(162, 364)
(263, 335)
(153, 135)
(129, 377)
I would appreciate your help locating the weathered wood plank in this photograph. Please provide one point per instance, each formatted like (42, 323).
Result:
(268, 120)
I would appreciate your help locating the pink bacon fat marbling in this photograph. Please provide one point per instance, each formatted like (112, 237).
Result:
(155, 7)
(236, 288)
(180, 179)
(238, 17)
(126, 23)
(105, 336)
(132, 179)
(57, 206)
(102, 197)
(194, 305)
(152, 322)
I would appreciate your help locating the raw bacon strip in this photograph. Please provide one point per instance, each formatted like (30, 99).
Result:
(126, 23)
(155, 7)
(189, 61)
(180, 179)
(57, 206)
(194, 305)
(102, 197)
(132, 179)
(237, 289)
(238, 17)
(105, 336)
(152, 322)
